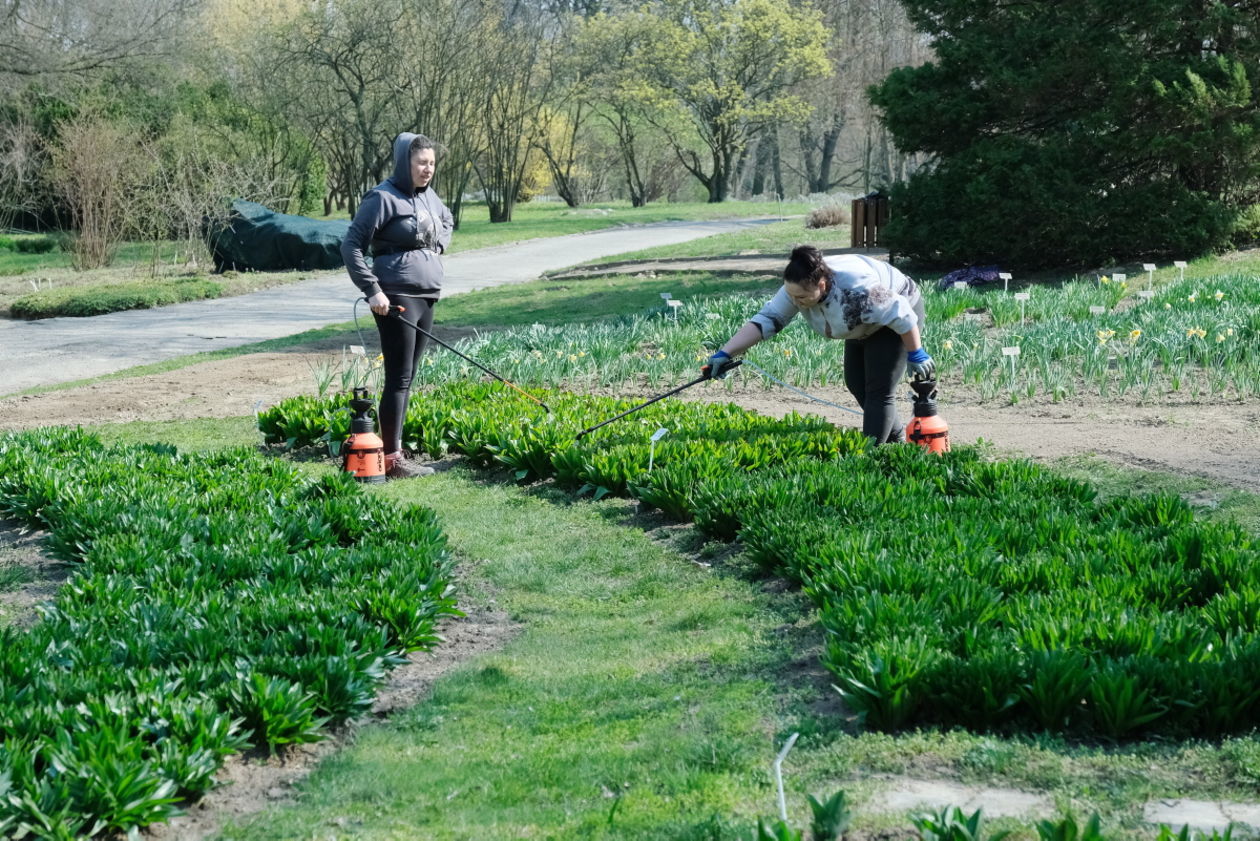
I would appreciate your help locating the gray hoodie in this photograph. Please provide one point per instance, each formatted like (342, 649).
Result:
(406, 229)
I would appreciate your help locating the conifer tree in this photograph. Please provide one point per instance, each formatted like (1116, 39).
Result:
(1076, 131)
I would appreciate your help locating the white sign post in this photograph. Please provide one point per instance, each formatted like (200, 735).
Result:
(1149, 268)
(1181, 268)
(656, 436)
(1146, 294)
(1022, 297)
(674, 304)
(961, 284)
(1119, 277)
(1006, 280)
(1012, 352)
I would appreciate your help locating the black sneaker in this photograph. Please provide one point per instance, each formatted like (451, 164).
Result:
(406, 469)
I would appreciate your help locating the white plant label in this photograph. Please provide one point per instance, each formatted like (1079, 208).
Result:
(1004, 275)
(1148, 267)
(1023, 296)
(674, 302)
(1147, 294)
(659, 434)
(1013, 350)
(1119, 276)
(357, 350)
(1097, 310)
(961, 284)
(1181, 264)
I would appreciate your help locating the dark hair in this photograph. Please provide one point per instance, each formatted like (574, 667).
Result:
(805, 267)
(419, 143)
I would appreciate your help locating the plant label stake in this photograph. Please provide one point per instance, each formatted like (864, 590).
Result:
(358, 350)
(1147, 294)
(1119, 277)
(1149, 268)
(960, 284)
(1022, 297)
(1097, 310)
(1181, 268)
(656, 436)
(1011, 351)
(1006, 280)
(674, 304)
(778, 774)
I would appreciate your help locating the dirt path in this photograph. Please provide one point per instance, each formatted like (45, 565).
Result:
(1212, 441)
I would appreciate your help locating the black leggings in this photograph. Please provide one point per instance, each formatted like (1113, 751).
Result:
(401, 347)
(872, 369)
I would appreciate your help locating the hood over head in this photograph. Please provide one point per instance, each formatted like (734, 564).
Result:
(402, 163)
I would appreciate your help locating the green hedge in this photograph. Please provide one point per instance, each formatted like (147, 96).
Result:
(98, 300)
(217, 602)
(953, 591)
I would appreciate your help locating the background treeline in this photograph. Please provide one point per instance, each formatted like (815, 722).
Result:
(1029, 134)
(147, 114)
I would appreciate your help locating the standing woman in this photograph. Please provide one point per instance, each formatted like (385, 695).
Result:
(406, 226)
(873, 307)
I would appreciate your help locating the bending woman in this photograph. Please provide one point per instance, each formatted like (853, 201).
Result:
(873, 307)
(407, 227)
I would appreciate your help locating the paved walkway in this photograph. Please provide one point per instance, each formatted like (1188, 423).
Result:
(56, 350)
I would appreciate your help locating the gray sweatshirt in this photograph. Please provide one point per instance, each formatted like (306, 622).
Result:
(865, 295)
(406, 229)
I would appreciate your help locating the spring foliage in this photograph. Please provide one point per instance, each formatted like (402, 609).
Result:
(954, 591)
(216, 602)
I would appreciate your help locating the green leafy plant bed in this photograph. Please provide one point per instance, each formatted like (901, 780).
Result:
(218, 602)
(954, 591)
(114, 297)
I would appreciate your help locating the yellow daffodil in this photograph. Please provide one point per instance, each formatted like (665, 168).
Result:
(1104, 280)
(1102, 340)
(1104, 335)
(573, 357)
(1134, 335)
(1229, 332)
(947, 345)
(1220, 296)
(1192, 297)
(1196, 333)
(1220, 337)
(581, 353)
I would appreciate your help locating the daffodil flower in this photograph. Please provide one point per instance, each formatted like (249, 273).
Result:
(1192, 297)
(947, 345)
(1220, 296)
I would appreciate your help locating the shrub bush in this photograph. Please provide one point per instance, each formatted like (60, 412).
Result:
(34, 245)
(77, 302)
(828, 216)
(6, 243)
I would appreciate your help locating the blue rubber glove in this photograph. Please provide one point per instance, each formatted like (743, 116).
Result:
(921, 365)
(719, 364)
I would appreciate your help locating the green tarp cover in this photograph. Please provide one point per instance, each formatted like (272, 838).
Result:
(254, 238)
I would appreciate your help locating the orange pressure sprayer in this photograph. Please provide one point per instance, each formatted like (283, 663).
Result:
(927, 428)
(364, 451)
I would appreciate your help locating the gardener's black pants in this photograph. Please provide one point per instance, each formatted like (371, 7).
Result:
(401, 347)
(873, 368)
